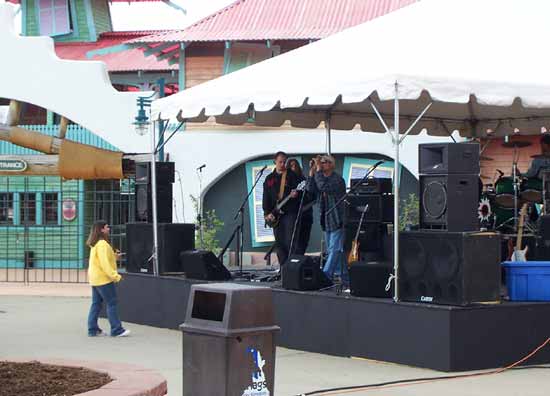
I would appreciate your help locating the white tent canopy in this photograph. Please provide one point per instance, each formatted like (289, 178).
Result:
(482, 63)
(474, 66)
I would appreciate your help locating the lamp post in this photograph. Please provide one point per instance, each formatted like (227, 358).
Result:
(142, 126)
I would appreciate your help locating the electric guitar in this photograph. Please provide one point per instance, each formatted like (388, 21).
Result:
(519, 254)
(354, 252)
(278, 212)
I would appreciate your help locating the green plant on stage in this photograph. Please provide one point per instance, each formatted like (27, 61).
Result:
(409, 212)
(211, 225)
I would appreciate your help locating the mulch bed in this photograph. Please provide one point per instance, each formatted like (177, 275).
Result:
(37, 379)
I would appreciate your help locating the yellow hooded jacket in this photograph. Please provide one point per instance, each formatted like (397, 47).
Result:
(102, 265)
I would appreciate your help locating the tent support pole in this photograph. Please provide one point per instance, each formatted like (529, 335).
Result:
(328, 134)
(396, 178)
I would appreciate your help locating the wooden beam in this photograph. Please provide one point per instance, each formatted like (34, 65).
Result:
(48, 165)
(63, 124)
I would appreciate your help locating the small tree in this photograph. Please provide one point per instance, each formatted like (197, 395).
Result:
(211, 225)
(409, 215)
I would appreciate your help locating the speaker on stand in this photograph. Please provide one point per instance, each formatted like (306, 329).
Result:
(144, 191)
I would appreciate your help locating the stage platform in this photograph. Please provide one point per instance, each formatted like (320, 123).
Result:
(444, 338)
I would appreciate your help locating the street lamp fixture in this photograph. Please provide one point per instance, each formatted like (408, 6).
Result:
(142, 121)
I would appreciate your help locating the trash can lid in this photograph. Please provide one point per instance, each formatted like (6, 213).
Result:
(229, 309)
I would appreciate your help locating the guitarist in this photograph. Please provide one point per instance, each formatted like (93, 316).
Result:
(277, 185)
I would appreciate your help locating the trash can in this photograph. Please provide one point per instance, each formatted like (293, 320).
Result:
(228, 341)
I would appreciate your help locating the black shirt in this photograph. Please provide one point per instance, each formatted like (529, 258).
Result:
(271, 192)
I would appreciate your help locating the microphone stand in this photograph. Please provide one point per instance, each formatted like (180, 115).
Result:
(343, 198)
(239, 229)
(199, 175)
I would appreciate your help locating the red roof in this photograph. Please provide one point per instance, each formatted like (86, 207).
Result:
(125, 61)
(255, 20)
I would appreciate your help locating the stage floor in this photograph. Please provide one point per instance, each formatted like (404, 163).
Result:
(440, 337)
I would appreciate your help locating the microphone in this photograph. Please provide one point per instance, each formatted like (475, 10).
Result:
(264, 168)
(201, 167)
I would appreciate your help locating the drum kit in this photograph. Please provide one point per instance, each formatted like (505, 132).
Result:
(501, 201)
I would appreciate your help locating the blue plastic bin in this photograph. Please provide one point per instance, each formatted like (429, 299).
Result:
(528, 281)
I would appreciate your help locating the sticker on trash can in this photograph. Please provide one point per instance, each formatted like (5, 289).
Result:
(259, 382)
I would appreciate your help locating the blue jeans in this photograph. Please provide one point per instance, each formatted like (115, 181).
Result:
(336, 260)
(100, 294)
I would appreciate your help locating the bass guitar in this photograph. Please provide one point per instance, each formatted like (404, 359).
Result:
(278, 212)
(354, 252)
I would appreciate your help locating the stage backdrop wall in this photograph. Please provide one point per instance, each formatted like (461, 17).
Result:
(226, 195)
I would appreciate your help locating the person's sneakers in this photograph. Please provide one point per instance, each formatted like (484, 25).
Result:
(100, 333)
(125, 333)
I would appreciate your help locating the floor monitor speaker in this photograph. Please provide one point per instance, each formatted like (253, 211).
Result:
(203, 265)
(303, 273)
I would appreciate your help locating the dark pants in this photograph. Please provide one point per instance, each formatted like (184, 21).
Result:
(283, 235)
(301, 240)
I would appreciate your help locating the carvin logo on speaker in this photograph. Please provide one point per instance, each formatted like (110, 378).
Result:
(426, 299)
(259, 383)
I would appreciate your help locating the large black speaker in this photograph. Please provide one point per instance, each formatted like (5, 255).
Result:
(380, 208)
(172, 239)
(165, 173)
(543, 238)
(144, 191)
(144, 203)
(449, 267)
(448, 158)
(204, 265)
(303, 273)
(449, 202)
(370, 279)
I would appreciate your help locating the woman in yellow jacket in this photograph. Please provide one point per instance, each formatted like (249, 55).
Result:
(102, 276)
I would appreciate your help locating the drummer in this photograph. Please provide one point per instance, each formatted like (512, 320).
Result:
(541, 162)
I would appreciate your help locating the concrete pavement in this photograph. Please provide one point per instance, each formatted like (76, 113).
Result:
(49, 320)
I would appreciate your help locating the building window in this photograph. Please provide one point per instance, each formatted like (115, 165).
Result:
(356, 168)
(6, 208)
(54, 16)
(27, 208)
(50, 208)
(241, 55)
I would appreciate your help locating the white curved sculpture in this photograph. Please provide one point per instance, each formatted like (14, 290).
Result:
(81, 91)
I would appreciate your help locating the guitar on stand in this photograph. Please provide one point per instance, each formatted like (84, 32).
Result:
(354, 252)
(520, 254)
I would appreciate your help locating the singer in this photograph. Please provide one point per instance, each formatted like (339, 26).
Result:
(280, 205)
(329, 187)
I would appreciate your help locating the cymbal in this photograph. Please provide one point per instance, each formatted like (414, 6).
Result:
(485, 177)
(485, 158)
(516, 144)
(541, 156)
